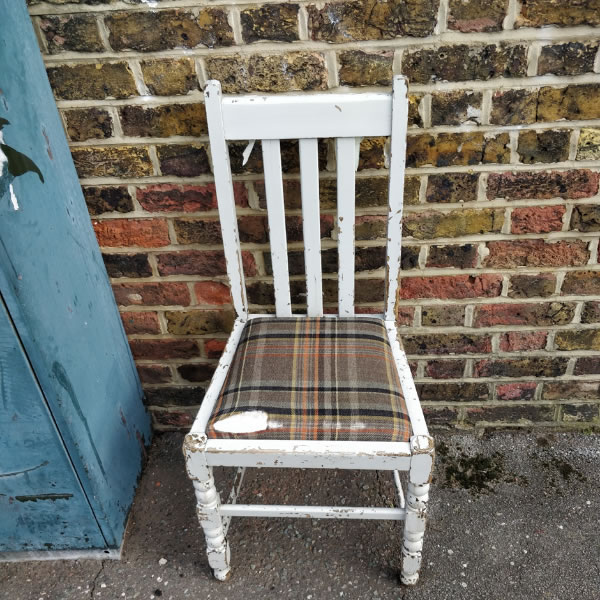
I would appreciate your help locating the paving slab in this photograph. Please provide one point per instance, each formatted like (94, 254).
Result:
(513, 515)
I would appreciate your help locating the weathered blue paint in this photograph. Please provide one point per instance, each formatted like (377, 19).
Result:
(57, 291)
(42, 504)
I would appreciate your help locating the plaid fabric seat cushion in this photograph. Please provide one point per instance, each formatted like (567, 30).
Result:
(312, 379)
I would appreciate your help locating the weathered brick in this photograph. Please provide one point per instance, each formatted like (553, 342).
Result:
(192, 262)
(369, 259)
(440, 418)
(214, 348)
(461, 257)
(517, 341)
(414, 114)
(261, 293)
(537, 219)
(107, 199)
(368, 290)
(140, 322)
(409, 259)
(446, 343)
(152, 294)
(127, 265)
(275, 22)
(572, 58)
(537, 13)
(365, 68)
(572, 413)
(112, 161)
(159, 349)
(198, 322)
(445, 369)
(212, 292)
(473, 15)
(514, 107)
(587, 365)
(451, 286)
(372, 153)
(370, 20)
(571, 390)
(164, 121)
(196, 372)
(517, 392)
(543, 184)
(549, 145)
(463, 62)
(370, 227)
(530, 286)
(170, 419)
(536, 253)
(586, 217)
(88, 124)
(175, 396)
(456, 223)
(183, 161)
(552, 313)
(154, 373)
(445, 149)
(442, 316)
(197, 231)
(456, 108)
(520, 367)
(405, 315)
(583, 339)
(151, 31)
(147, 233)
(591, 312)
(92, 81)
(72, 33)
(588, 145)
(370, 192)
(572, 102)
(170, 76)
(329, 262)
(453, 392)
(294, 71)
(166, 197)
(582, 282)
(452, 187)
(512, 415)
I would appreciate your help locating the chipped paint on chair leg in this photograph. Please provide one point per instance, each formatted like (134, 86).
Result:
(209, 514)
(417, 495)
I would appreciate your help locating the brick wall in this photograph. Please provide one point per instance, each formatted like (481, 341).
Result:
(500, 284)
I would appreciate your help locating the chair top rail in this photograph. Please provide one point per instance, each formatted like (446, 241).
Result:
(307, 116)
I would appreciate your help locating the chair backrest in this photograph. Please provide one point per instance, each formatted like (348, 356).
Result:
(306, 118)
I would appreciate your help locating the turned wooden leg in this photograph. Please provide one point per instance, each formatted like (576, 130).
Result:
(209, 514)
(414, 530)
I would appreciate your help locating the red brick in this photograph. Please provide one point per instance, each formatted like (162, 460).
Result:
(536, 253)
(154, 373)
(404, 315)
(516, 391)
(207, 263)
(214, 348)
(172, 419)
(140, 322)
(212, 292)
(146, 233)
(158, 349)
(152, 294)
(537, 219)
(542, 185)
(582, 282)
(451, 286)
(547, 313)
(516, 341)
(166, 197)
(445, 369)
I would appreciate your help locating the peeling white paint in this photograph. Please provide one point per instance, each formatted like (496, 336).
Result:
(247, 422)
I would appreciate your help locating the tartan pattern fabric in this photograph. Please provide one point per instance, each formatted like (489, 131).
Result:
(312, 379)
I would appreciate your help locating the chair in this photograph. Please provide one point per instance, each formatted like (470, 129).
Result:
(314, 390)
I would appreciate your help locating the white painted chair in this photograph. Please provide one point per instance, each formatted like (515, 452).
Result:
(261, 409)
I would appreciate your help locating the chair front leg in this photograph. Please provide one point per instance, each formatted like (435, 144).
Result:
(414, 530)
(209, 514)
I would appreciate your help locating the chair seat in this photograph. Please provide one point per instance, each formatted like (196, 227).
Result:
(312, 379)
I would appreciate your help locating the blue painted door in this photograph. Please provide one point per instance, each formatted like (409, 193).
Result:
(42, 503)
(57, 293)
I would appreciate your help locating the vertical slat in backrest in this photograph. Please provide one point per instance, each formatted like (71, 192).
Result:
(345, 154)
(311, 225)
(396, 194)
(276, 214)
(225, 197)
